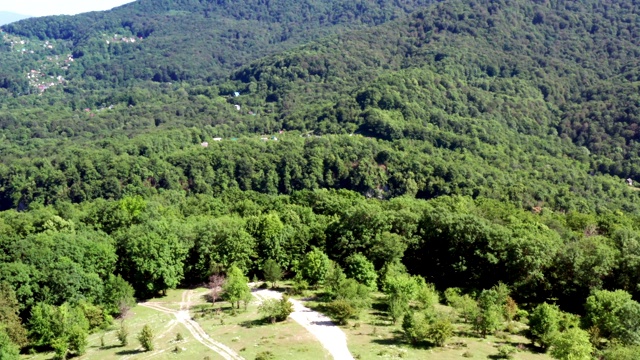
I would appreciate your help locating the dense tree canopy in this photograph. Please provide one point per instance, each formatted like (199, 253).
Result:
(375, 144)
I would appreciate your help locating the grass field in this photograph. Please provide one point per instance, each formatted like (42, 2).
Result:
(372, 336)
(244, 332)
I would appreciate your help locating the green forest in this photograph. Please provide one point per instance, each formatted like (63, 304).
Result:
(476, 149)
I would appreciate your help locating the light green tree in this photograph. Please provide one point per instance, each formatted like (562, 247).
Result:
(544, 324)
(358, 267)
(146, 338)
(8, 350)
(236, 287)
(272, 272)
(400, 289)
(489, 316)
(572, 344)
(314, 267)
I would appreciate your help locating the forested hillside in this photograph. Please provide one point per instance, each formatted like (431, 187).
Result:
(176, 40)
(469, 143)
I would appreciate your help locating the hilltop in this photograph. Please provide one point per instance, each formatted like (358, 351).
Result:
(180, 40)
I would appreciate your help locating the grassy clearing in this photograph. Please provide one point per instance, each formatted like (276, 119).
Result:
(374, 336)
(165, 328)
(243, 332)
(246, 333)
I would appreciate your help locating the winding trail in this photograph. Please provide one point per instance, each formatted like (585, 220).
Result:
(330, 336)
(194, 328)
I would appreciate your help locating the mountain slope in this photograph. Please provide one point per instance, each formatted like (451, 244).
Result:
(196, 40)
(452, 100)
(571, 56)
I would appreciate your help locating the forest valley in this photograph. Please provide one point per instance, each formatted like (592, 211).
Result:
(473, 153)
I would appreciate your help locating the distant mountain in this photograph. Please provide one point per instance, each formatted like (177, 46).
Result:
(9, 17)
(177, 40)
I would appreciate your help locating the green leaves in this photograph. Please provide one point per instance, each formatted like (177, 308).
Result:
(572, 344)
(64, 328)
(615, 315)
(314, 267)
(146, 338)
(152, 257)
(236, 287)
(276, 310)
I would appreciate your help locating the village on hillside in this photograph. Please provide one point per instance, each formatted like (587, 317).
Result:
(47, 55)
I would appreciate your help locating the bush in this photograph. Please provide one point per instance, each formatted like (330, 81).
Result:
(467, 354)
(359, 268)
(506, 351)
(123, 334)
(420, 327)
(300, 286)
(452, 295)
(265, 355)
(146, 338)
(342, 311)
(440, 331)
(522, 315)
(276, 310)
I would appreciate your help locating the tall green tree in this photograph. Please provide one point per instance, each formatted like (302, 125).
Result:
(9, 316)
(236, 287)
(314, 267)
(358, 267)
(272, 272)
(152, 257)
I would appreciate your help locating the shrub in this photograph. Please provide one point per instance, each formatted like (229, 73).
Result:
(451, 295)
(265, 355)
(123, 334)
(300, 286)
(342, 311)
(276, 310)
(467, 354)
(506, 351)
(146, 338)
(440, 331)
(358, 267)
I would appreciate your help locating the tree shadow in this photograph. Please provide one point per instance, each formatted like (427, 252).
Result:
(109, 347)
(129, 352)
(387, 341)
(255, 322)
(380, 307)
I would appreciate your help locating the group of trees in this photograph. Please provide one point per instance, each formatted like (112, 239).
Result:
(456, 151)
(217, 38)
(87, 260)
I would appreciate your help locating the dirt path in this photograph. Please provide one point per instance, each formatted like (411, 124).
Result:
(330, 336)
(194, 328)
